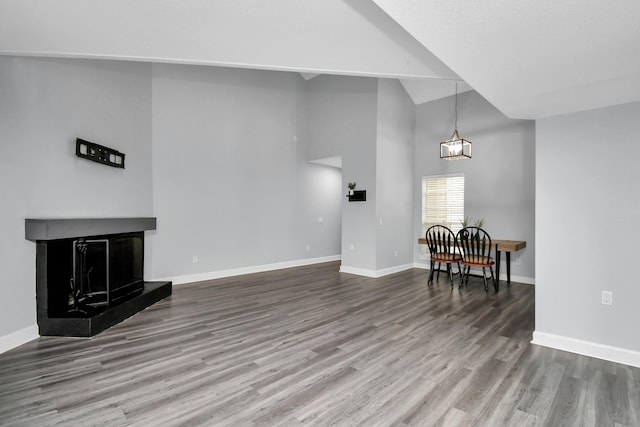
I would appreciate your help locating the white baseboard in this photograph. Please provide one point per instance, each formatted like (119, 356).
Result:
(587, 348)
(17, 338)
(503, 276)
(374, 273)
(358, 271)
(519, 279)
(211, 275)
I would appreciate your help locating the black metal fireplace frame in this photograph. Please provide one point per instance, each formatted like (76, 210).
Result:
(48, 235)
(82, 293)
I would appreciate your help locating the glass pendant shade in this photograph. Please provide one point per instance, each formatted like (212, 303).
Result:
(455, 148)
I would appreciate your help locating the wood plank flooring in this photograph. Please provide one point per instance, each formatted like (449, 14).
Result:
(311, 346)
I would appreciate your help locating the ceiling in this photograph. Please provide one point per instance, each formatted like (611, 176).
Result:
(537, 58)
(529, 59)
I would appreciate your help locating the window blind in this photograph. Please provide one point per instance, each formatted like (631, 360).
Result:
(443, 201)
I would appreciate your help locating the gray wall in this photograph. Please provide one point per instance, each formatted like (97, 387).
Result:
(45, 104)
(499, 179)
(394, 176)
(342, 121)
(230, 177)
(369, 123)
(586, 200)
(231, 182)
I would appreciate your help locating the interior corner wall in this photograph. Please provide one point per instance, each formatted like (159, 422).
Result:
(586, 200)
(232, 187)
(499, 178)
(319, 190)
(45, 104)
(394, 176)
(342, 121)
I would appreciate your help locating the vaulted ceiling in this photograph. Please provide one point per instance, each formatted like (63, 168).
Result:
(529, 59)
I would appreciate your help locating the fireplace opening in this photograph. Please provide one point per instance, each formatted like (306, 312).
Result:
(88, 275)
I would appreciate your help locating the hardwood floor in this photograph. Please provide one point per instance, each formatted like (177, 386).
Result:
(311, 346)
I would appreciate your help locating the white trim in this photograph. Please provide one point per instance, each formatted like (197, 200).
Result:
(17, 338)
(444, 175)
(421, 265)
(232, 64)
(392, 270)
(219, 274)
(587, 348)
(375, 273)
(358, 271)
(519, 279)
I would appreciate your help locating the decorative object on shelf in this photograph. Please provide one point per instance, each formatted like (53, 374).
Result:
(356, 195)
(99, 153)
(456, 147)
(351, 186)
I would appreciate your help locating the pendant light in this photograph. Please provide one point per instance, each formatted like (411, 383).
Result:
(455, 148)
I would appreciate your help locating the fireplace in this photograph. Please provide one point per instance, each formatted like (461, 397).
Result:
(89, 273)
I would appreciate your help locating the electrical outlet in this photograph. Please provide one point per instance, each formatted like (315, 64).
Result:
(194, 259)
(308, 248)
(607, 297)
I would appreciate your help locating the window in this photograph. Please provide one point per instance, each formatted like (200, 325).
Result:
(443, 201)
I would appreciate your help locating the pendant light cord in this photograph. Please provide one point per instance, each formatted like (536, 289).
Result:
(455, 127)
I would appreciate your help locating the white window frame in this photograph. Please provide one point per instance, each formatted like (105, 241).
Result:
(443, 201)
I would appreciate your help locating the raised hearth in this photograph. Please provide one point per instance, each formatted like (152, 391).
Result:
(89, 273)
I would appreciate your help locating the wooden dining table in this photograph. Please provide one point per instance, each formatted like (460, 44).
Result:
(506, 246)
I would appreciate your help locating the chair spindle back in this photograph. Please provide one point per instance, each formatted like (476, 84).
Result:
(474, 243)
(440, 239)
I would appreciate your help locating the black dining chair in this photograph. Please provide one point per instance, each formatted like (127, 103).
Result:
(475, 247)
(442, 249)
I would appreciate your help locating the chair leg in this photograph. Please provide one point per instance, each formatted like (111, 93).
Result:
(450, 270)
(430, 279)
(438, 277)
(466, 282)
(484, 276)
(493, 279)
(460, 273)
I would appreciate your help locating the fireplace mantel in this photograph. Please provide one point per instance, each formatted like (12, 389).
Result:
(65, 228)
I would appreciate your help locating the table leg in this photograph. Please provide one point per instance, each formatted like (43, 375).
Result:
(497, 268)
(508, 268)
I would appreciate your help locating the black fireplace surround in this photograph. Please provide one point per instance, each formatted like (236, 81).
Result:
(89, 273)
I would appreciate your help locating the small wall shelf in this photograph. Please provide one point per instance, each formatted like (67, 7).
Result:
(358, 196)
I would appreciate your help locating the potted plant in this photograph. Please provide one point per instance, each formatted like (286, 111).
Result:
(464, 222)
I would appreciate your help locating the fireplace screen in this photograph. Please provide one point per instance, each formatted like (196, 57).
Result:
(87, 275)
(90, 281)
